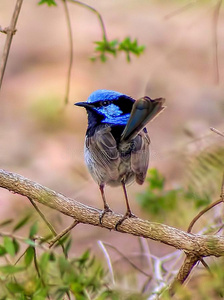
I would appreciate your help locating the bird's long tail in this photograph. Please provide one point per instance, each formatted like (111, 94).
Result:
(143, 111)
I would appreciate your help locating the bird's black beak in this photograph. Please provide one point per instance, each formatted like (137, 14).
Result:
(83, 104)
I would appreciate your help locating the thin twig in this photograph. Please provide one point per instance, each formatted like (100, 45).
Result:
(98, 15)
(47, 223)
(205, 265)
(68, 20)
(217, 131)
(43, 217)
(215, 40)
(202, 212)
(10, 32)
(222, 189)
(38, 270)
(61, 234)
(179, 10)
(105, 252)
(128, 260)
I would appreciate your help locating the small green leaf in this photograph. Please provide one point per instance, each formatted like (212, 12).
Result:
(2, 250)
(29, 255)
(84, 257)
(14, 287)
(33, 230)
(44, 260)
(67, 246)
(21, 223)
(48, 2)
(9, 269)
(9, 245)
(30, 242)
(16, 245)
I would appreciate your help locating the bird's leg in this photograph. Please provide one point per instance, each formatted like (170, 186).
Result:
(106, 206)
(128, 213)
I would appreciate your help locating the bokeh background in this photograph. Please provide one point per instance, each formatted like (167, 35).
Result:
(42, 139)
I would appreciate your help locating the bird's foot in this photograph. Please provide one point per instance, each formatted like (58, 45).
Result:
(106, 210)
(128, 215)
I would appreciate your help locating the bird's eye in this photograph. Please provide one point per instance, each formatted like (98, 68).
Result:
(104, 103)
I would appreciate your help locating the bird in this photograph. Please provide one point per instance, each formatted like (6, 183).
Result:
(116, 146)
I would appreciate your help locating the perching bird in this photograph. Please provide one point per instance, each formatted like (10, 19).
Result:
(117, 143)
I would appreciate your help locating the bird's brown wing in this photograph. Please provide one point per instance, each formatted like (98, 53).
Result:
(140, 156)
(102, 156)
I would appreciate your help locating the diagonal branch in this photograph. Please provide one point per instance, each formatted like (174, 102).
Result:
(195, 244)
(10, 32)
(187, 266)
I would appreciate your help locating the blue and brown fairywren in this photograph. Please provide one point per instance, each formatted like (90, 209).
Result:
(117, 143)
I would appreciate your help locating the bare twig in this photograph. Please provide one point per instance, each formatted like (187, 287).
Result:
(105, 252)
(63, 233)
(68, 20)
(202, 212)
(10, 31)
(43, 217)
(222, 189)
(215, 40)
(38, 270)
(97, 13)
(128, 260)
(180, 10)
(217, 131)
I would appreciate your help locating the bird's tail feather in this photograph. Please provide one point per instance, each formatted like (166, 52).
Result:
(143, 111)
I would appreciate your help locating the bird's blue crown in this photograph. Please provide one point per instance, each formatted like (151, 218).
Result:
(100, 95)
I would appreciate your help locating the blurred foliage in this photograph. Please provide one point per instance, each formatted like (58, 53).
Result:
(154, 198)
(204, 286)
(37, 272)
(205, 172)
(47, 111)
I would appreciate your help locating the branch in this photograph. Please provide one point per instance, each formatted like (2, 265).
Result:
(195, 244)
(215, 40)
(68, 79)
(10, 31)
(189, 262)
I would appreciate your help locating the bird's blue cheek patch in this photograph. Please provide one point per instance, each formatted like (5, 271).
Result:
(113, 114)
(111, 110)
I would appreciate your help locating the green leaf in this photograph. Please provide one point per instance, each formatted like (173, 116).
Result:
(48, 2)
(16, 245)
(67, 246)
(9, 245)
(30, 242)
(21, 223)
(29, 255)
(82, 260)
(9, 269)
(44, 260)
(33, 230)
(14, 287)
(2, 250)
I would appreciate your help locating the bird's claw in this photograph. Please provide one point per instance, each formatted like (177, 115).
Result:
(128, 215)
(106, 210)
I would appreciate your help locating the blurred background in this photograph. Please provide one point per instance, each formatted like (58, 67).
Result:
(42, 139)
